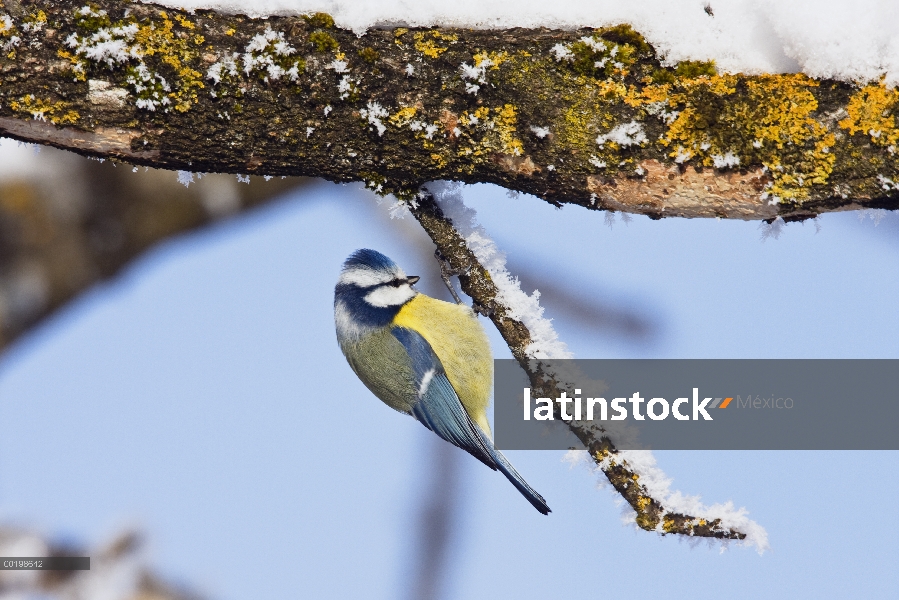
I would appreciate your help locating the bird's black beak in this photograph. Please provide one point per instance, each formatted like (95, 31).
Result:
(412, 279)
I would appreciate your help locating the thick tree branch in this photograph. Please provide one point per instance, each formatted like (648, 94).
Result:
(652, 515)
(589, 117)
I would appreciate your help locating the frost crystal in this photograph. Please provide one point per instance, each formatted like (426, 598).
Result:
(477, 73)
(227, 65)
(875, 214)
(185, 178)
(373, 114)
(682, 155)
(561, 52)
(599, 164)
(267, 52)
(345, 87)
(725, 161)
(540, 132)
(887, 184)
(628, 134)
(772, 229)
(110, 45)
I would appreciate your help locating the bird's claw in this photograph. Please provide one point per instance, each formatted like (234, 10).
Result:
(447, 271)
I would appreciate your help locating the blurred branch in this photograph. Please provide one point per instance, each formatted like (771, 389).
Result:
(82, 221)
(117, 571)
(477, 283)
(438, 513)
(589, 117)
(567, 298)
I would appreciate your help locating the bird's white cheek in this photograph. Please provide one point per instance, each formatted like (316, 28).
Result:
(387, 295)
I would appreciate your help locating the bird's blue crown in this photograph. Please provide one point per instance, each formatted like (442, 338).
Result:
(371, 259)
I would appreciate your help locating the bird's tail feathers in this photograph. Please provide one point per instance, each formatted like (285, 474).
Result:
(518, 481)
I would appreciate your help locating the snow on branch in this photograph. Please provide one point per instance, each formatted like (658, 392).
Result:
(531, 338)
(594, 117)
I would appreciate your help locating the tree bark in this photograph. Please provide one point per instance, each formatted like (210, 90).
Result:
(589, 117)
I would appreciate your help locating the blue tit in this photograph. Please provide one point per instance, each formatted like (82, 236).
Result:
(423, 357)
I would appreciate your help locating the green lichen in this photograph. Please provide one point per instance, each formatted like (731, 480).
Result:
(587, 107)
(319, 20)
(625, 34)
(595, 56)
(323, 42)
(369, 54)
(688, 69)
(691, 69)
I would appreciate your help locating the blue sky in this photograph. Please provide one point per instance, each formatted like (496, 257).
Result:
(202, 397)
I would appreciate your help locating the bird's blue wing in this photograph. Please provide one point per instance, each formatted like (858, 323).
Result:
(438, 406)
(439, 409)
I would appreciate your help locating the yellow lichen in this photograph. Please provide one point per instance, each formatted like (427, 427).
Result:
(610, 89)
(76, 69)
(643, 502)
(36, 20)
(872, 111)
(491, 131)
(45, 110)
(158, 38)
(495, 58)
(506, 121)
(184, 22)
(669, 525)
(403, 116)
(7, 30)
(773, 123)
(648, 94)
(427, 42)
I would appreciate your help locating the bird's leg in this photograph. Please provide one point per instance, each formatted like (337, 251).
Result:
(447, 271)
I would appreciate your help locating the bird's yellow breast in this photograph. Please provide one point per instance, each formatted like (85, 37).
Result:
(461, 344)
